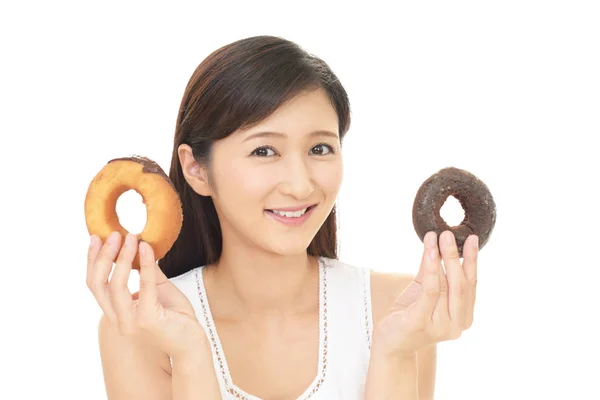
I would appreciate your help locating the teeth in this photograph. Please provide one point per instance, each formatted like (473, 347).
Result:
(290, 214)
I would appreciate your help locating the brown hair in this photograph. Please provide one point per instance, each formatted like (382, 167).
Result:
(236, 87)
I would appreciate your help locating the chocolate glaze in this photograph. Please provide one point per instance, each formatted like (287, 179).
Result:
(472, 194)
(150, 166)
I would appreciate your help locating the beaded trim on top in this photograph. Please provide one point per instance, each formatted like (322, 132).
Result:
(367, 303)
(230, 387)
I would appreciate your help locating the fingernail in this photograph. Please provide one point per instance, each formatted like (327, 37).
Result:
(449, 238)
(476, 242)
(112, 238)
(431, 241)
(142, 248)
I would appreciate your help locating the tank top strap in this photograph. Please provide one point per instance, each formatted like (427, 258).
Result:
(187, 284)
(349, 289)
(350, 327)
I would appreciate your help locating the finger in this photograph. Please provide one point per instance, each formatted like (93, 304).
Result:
(429, 245)
(148, 298)
(93, 250)
(100, 271)
(457, 300)
(470, 253)
(441, 314)
(120, 295)
(430, 282)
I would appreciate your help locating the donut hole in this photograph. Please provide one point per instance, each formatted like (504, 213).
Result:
(131, 212)
(452, 212)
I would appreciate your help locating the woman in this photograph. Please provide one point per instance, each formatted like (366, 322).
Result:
(251, 302)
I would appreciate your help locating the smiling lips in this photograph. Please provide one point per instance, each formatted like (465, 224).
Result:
(291, 215)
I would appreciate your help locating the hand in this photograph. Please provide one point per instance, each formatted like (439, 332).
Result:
(436, 306)
(160, 312)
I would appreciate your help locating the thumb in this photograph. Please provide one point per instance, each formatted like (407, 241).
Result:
(157, 292)
(414, 289)
(152, 263)
(408, 296)
(430, 281)
(148, 297)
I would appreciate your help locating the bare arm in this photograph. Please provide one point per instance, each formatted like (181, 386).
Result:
(132, 370)
(385, 288)
(135, 370)
(392, 379)
(409, 378)
(426, 364)
(194, 375)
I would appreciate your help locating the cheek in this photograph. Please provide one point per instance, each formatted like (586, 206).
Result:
(238, 183)
(254, 181)
(329, 177)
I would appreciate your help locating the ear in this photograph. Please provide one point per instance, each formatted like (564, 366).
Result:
(195, 174)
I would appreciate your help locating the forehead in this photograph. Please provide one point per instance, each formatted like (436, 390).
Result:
(304, 114)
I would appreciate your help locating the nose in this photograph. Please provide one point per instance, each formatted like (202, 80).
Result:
(297, 179)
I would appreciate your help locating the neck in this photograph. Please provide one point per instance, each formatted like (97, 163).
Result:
(260, 283)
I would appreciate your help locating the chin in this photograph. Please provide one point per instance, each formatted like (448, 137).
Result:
(288, 249)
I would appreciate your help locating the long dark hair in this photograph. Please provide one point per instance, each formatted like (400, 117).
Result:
(236, 87)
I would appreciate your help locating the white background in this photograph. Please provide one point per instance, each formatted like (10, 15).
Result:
(507, 90)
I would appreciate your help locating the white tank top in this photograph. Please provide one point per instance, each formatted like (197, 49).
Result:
(345, 332)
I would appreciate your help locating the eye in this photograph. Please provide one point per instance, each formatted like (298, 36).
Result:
(263, 151)
(322, 149)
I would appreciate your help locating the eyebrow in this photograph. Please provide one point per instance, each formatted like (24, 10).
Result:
(280, 134)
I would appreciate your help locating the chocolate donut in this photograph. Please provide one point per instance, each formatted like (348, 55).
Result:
(472, 194)
(164, 215)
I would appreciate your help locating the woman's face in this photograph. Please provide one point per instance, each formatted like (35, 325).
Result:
(264, 178)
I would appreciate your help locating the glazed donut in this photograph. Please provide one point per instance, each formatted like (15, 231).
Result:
(164, 215)
(472, 194)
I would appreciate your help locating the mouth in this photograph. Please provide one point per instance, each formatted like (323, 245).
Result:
(291, 216)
